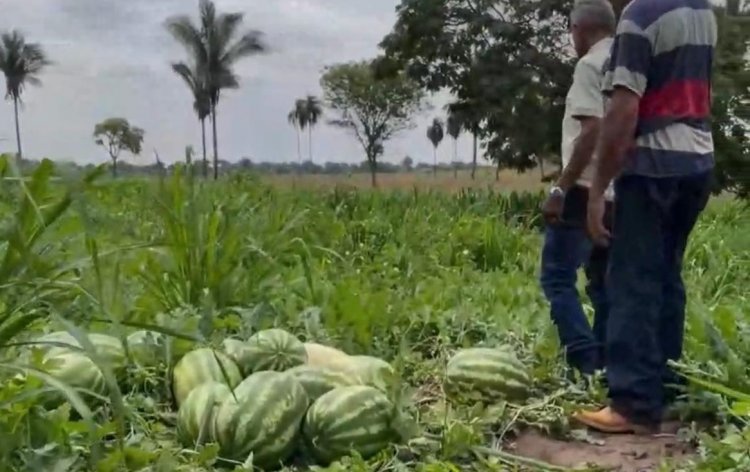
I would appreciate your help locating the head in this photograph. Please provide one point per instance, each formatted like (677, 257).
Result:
(591, 21)
(620, 5)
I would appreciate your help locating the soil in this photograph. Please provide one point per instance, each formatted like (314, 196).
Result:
(620, 453)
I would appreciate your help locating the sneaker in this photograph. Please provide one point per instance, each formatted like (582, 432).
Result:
(609, 421)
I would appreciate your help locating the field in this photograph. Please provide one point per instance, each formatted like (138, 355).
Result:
(405, 274)
(445, 181)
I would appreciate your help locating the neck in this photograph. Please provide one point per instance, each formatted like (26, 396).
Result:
(596, 37)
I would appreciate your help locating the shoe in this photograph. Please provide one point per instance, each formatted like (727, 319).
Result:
(609, 421)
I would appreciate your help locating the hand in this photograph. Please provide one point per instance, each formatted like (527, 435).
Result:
(552, 209)
(597, 231)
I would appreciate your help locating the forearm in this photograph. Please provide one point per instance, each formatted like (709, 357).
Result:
(583, 150)
(615, 138)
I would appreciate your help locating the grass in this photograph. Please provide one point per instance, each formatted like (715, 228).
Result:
(409, 275)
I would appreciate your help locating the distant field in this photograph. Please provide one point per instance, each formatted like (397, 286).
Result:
(445, 180)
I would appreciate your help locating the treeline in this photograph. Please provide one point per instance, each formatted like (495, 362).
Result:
(266, 168)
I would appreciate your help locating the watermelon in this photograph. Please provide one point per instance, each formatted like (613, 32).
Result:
(77, 371)
(274, 349)
(146, 348)
(374, 372)
(237, 351)
(202, 366)
(319, 355)
(109, 348)
(357, 418)
(319, 380)
(264, 419)
(486, 374)
(195, 420)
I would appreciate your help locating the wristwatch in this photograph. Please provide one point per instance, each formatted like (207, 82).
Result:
(557, 191)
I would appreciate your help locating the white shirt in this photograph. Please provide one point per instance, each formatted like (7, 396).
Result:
(585, 98)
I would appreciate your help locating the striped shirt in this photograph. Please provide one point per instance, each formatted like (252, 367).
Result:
(663, 51)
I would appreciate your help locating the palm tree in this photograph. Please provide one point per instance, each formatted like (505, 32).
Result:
(298, 118)
(313, 112)
(454, 127)
(21, 62)
(435, 134)
(215, 47)
(196, 82)
(469, 114)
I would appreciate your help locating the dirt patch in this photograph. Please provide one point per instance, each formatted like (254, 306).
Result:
(621, 453)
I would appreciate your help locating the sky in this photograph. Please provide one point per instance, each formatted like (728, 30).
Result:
(112, 58)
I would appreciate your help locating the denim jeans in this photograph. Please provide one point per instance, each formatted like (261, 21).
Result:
(653, 220)
(566, 249)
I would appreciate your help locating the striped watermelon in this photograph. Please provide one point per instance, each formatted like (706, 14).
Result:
(108, 347)
(374, 372)
(237, 351)
(274, 349)
(347, 419)
(202, 366)
(147, 348)
(319, 380)
(264, 419)
(195, 420)
(319, 355)
(486, 374)
(77, 371)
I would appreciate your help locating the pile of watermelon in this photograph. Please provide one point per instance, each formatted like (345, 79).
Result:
(266, 397)
(272, 395)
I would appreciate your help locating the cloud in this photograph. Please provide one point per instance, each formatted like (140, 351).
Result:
(112, 58)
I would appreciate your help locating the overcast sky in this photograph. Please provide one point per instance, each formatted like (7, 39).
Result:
(112, 59)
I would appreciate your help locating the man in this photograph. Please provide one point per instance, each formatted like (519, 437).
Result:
(656, 139)
(566, 245)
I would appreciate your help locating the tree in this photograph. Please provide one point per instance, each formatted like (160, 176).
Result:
(305, 115)
(731, 100)
(196, 82)
(469, 114)
(297, 118)
(454, 127)
(215, 46)
(407, 163)
(504, 60)
(435, 133)
(372, 109)
(21, 62)
(117, 135)
(313, 112)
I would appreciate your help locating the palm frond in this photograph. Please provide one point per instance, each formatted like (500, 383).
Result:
(249, 44)
(187, 34)
(207, 11)
(197, 85)
(313, 109)
(21, 62)
(225, 29)
(292, 117)
(184, 71)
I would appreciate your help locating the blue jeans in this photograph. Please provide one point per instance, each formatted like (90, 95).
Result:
(566, 249)
(653, 219)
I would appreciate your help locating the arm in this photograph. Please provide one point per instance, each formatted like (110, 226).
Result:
(626, 81)
(586, 104)
(582, 152)
(617, 131)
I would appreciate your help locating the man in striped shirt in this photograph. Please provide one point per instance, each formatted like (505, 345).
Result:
(656, 140)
